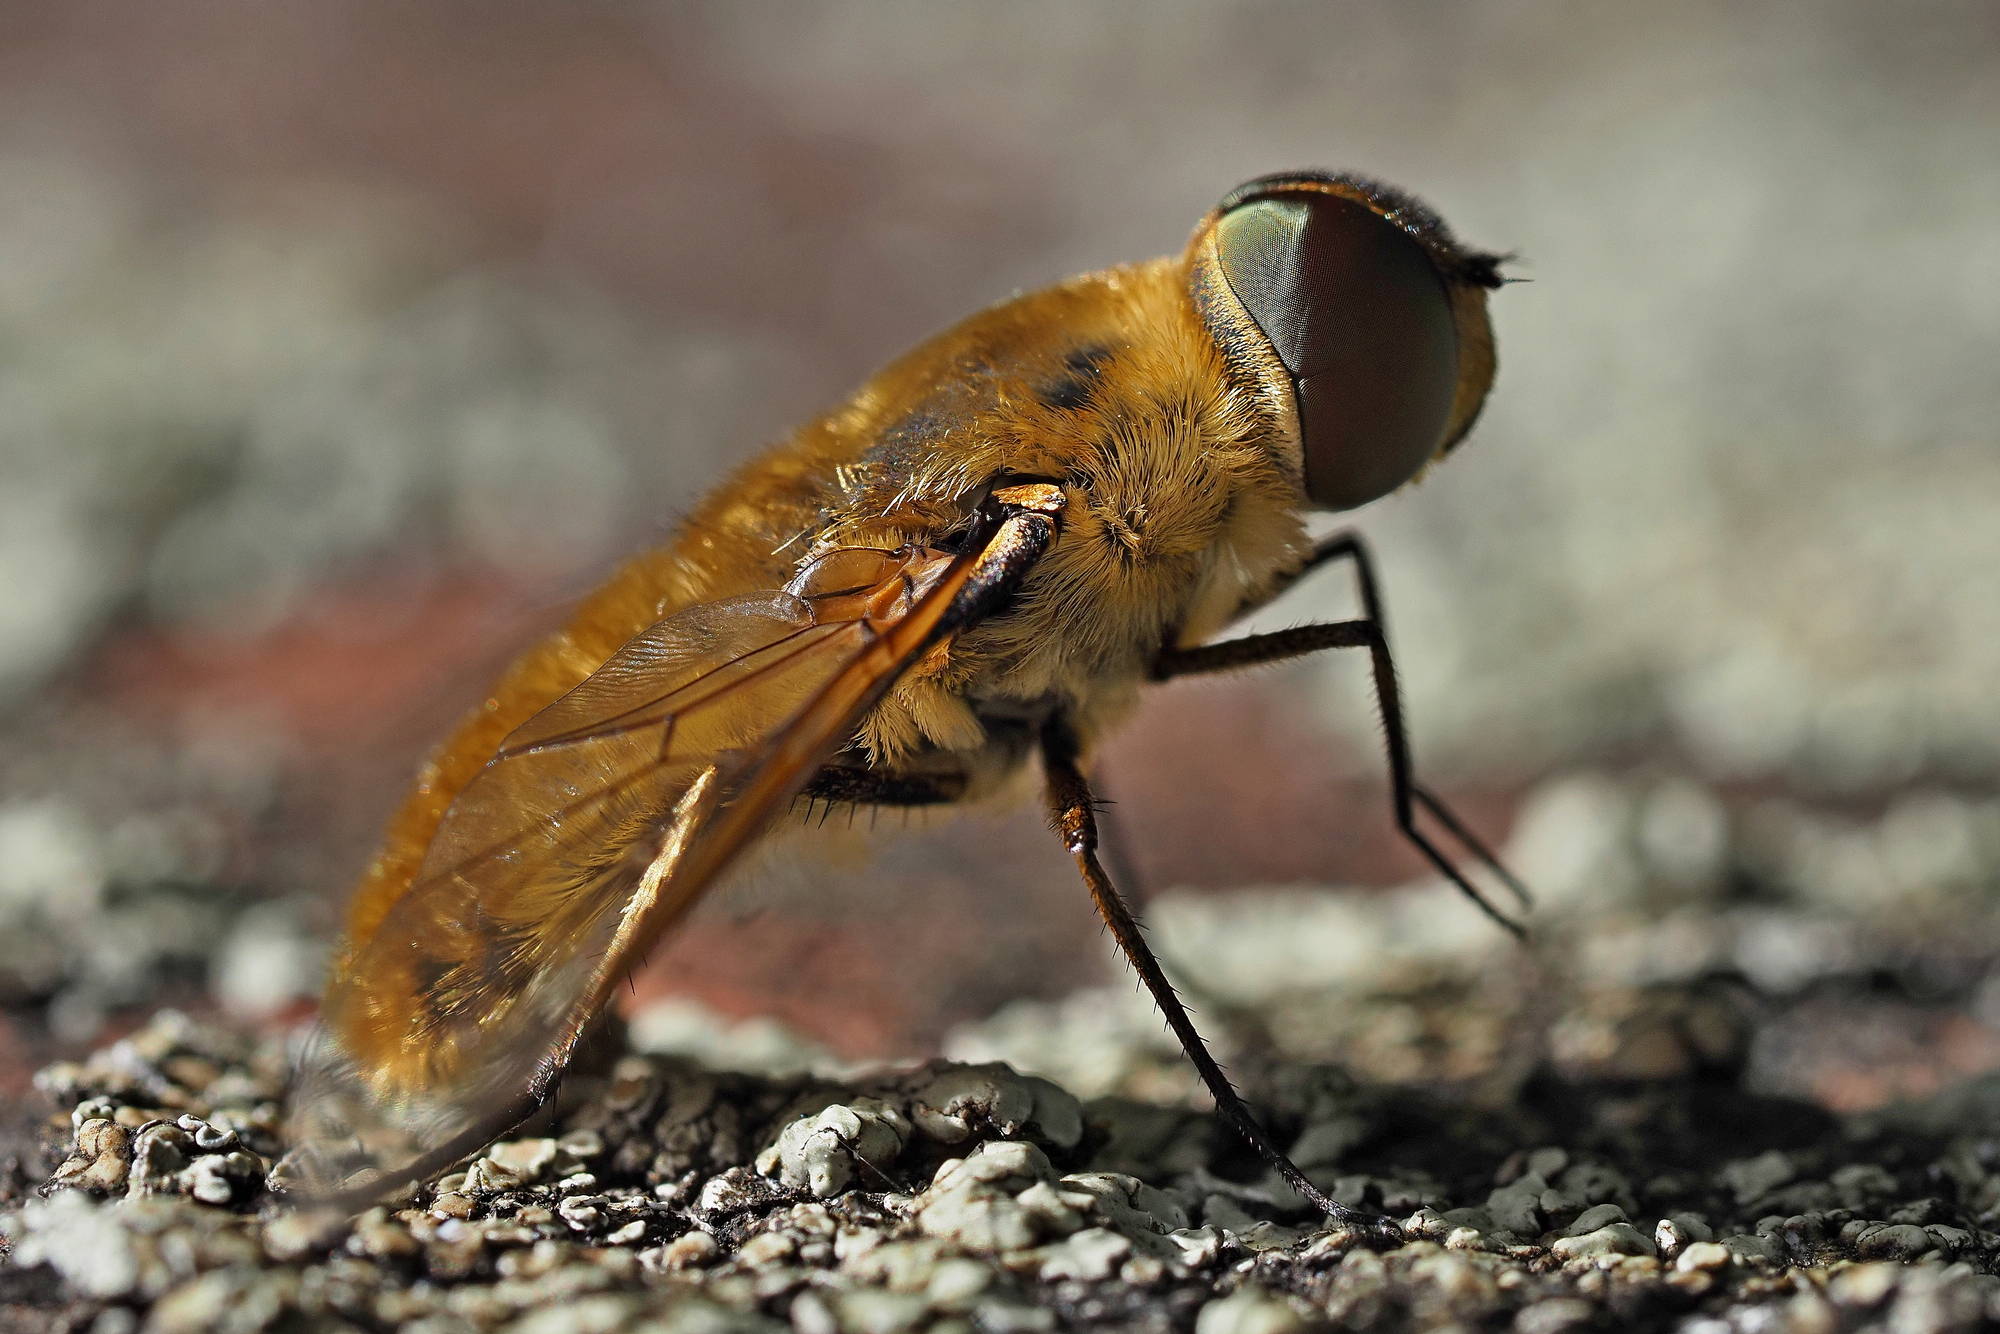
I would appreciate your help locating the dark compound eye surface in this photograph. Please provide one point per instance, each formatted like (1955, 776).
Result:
(1360, 316)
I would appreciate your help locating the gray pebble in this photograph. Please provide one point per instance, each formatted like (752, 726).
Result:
(1611, 1239)
(825, 1151)
(1700, 1255)
(1753, 1178)
(1248, 1311)
(1895, 1241)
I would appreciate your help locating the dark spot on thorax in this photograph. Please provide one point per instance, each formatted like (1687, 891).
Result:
(1072, 388)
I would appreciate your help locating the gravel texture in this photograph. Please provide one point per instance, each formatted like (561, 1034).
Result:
(1626, 1125)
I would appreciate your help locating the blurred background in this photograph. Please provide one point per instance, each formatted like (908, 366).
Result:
(346, 343)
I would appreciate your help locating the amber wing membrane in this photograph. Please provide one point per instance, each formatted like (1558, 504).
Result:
(597, 823)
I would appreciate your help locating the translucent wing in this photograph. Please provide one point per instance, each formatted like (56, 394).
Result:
(597, 823)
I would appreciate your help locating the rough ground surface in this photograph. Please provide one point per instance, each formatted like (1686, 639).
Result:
(347, 343)
(1677, 1110)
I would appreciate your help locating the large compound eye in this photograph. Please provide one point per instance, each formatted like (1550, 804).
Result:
(1362, 320)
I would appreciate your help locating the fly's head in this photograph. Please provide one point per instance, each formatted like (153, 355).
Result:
(1358, 318)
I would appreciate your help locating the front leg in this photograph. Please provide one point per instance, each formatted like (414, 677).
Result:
(1371, 633)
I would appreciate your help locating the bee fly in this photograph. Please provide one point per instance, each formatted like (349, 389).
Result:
(980, 558)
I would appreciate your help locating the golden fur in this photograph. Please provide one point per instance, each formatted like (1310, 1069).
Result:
(1180, 504)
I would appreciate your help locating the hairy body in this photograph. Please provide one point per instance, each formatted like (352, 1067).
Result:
(1180, 508)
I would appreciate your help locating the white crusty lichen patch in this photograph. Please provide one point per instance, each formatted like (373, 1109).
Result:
(1590, 1133)
(670, 1197)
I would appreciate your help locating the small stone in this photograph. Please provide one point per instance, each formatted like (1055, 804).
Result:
(297, 1233)
(84, 1241)
(206, 1303)
(811, 1315)
(526, 1160)
(1895, 1241)
(689, 1250)
(206, 1182)
(207, 1137)
(1092, 1254)
(1595, 1217)
(767, 1248)
(115, 1320)
(1128, 1202)
(1197, 1245)
(980, 1223)
(504, 1232)
(1693, 1227)
(1554, 1316)
(735, 1191)
(1591, 1183)
(1612, 1239)
(376, 1236)
(973, 1200)
(823, 1152)
(956, 1284)
(869, 1312)
(1265, 1235)
(904, 1265)
(451, 1204)
(159, 1152)
(1456, 1278)
(454, 1251)
(1248, 1310)
(1865, 1285)
(1700, 1255)
(1005, 1317)
(1556, 1205)
(488, 1176)
(998, 1161)
(1516, 1207)
(90, 1109)
(956, 1101)
(1059, 1212)
(1753, 1178)
(102, 1159)
(1949, 1240)
(1745, 1246)
(580, 1212)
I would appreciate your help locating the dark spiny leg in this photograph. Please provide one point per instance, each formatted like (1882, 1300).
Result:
(1113, 842)
(1406, 793)
(865, 787)
(1073, 813)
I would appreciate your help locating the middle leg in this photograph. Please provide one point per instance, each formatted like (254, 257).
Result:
(1072, 809)
(843, 784)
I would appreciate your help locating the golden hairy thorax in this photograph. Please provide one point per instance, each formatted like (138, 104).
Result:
(1179, 504)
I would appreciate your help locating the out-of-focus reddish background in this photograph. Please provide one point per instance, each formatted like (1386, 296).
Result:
(346, 343)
